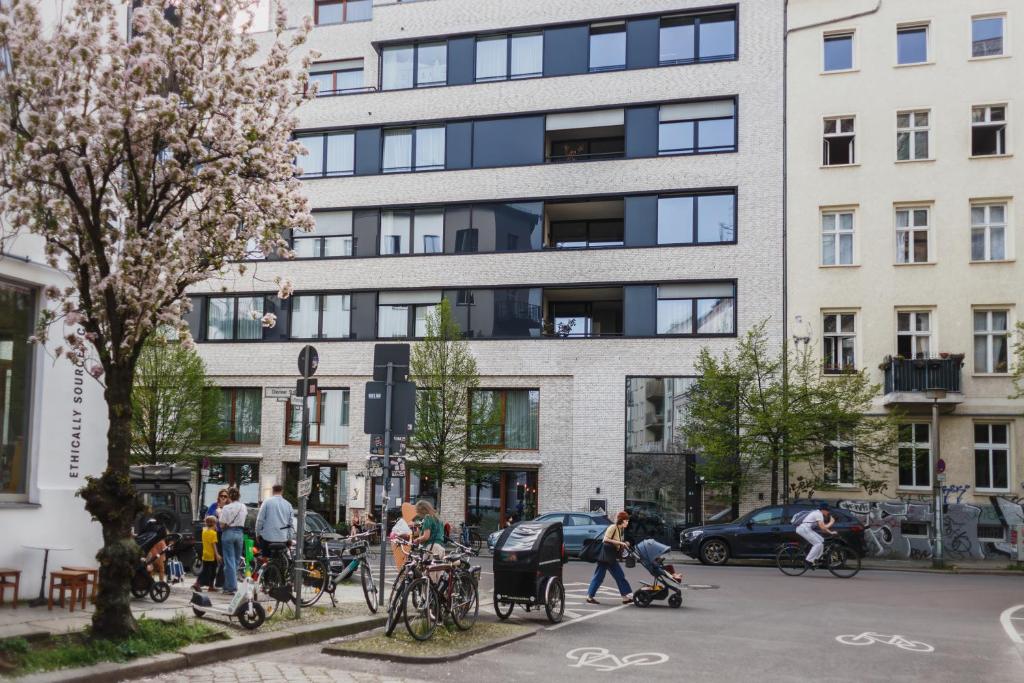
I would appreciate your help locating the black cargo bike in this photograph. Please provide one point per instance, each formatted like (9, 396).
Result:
(528, 559)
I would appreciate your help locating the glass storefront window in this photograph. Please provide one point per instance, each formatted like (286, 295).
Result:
(327, 495)
(17, 316)
(244, 475)
(493, 497)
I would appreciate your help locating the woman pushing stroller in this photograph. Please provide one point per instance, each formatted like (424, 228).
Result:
(608, 560)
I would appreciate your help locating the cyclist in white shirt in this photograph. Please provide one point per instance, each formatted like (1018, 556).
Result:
(808, 528)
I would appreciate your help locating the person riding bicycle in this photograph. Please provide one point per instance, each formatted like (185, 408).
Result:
(820, 519)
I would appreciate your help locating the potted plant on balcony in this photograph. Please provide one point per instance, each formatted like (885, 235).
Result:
(943, 355)
(553, 329)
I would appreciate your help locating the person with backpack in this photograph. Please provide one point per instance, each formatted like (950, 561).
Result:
(431, 534)
(807, 526)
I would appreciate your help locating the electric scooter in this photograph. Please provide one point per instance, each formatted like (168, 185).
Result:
(243, 605)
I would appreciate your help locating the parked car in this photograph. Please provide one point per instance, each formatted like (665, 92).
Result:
(576, 528)
(759, 533)
(167, 491)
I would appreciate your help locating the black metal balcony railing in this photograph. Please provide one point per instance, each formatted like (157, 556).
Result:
(921, 374)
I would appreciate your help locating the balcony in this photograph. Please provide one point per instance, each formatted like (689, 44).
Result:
(585, 136)
(908, 379)
(583, 312)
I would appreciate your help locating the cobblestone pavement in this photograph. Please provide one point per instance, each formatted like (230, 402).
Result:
(271, 672)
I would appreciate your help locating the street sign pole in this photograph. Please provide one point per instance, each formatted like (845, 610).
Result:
(386, 474)
(308, 361)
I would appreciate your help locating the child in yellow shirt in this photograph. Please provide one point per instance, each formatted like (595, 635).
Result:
(211, 558)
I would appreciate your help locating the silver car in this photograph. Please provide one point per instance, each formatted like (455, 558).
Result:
(576, 528)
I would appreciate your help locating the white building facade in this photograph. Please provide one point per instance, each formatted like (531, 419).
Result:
(595, 188)
(903, 186)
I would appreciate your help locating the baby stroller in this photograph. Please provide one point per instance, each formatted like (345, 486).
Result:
(650, 554)
(143, 583)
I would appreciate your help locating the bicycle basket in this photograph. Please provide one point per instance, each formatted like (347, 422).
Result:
(357, 550)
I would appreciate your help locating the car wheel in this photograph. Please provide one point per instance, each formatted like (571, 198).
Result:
(714, 552)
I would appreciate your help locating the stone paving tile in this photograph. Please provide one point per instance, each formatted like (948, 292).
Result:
(270, 672)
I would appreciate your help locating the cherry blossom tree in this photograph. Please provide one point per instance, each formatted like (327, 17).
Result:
(147, 162)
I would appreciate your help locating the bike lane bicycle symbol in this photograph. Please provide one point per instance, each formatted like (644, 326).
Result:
(869, 637)
(601, 659)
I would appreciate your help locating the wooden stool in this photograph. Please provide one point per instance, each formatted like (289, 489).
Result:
(77, 583)
(9, 578)
(92, 580)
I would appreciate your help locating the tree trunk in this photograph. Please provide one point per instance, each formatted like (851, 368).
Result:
(775, 480)
(111, 501)
(734, 498)
(440, 485)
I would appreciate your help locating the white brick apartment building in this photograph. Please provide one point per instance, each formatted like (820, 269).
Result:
(904, 185)
(533, 162)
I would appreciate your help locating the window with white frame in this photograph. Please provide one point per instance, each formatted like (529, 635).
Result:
(914, 334)
(987, 34)
(912, 135)
(991, 457)
(915, 455)
(991, 341)
(838, 465)
(988, 130)
(331, 236)
(837, 238)
(912, 44)
(839, 340)
(838, 51)
(912, 234)
(404, 314)
(838, 141)
(988, 232)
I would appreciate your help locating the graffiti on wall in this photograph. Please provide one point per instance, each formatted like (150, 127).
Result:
(898, 529)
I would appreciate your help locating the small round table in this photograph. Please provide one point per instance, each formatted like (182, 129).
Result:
(41, 600)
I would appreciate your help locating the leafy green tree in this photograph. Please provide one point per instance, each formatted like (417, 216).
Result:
(755, 410)
(449, 437)
(1018, 362)
(176, 411)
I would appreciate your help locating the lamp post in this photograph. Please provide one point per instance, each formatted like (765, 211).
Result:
(936, 394)
(801, 335)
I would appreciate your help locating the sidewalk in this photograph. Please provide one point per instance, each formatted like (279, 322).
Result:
(995, 566)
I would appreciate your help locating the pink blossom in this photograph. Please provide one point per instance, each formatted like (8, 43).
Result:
(286, 287)
(269, 320)
(96, 370)
(73, 318)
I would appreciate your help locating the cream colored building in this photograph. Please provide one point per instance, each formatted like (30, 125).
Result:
(904, 182)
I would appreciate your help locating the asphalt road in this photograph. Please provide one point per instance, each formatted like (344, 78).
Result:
(736, 624)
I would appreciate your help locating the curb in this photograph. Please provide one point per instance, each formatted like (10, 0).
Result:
(976, 571)
(340, 651)
(207, 653)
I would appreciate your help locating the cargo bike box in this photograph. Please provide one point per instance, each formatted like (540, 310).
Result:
(528, 559)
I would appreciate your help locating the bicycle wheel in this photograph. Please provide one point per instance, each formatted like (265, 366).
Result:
(314, 576)
(554, 600)
(476, 542)
(790, 560)
(422, 609)
(503, 609)
(269, 588)
(842, 561)
(396, 605)
(465, 601)
(369, 587)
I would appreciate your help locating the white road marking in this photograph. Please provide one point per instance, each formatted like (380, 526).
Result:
(585, 617)
(1005, 618)
(602, 660)
(870, 637)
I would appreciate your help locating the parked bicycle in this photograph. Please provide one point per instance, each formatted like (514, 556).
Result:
(445, 588)
(353, 557)
(415, 559)
(276, 572)
(837, 556)
(469, 536)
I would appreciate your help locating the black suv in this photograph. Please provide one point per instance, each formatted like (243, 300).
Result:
(759, 533)
(167, 490)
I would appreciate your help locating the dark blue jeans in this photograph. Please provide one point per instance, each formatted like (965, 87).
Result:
(616, 572)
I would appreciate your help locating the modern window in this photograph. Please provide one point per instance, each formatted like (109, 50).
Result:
(656, 410)
(912, 44)
(330, 154)
(839, 342)
(694, 127)
(586, 234)
(912, 229)
(991, 341)
(331, 236)
(401, 315)
(914, 334)
(502, 57)
(697, 219)
(341, 11)
(987, 36)
(837, 238)
(320, 316)
(507, 419)
(328, 424)
(234, 317)
(991, 457)
(608, 46)
(988, 232)
(412, 232)
(915, 455)
(414, 66)
(240, 413)
(838, 51)
(696, 309)
(838, 141)
(988, 130)
(912, 135)
(337, 78)
(413, 149)
(702, 38)
(838, 464)
(17, 321)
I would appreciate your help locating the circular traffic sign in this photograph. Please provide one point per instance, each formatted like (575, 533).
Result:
(308, 361)
(940, 466)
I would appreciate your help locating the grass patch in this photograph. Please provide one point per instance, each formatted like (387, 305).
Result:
(447, 640)
(19, 656)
